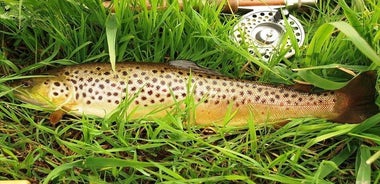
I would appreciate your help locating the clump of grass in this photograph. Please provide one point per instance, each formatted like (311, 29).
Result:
(37, 35)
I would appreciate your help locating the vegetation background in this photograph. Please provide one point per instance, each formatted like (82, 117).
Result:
(41, 34)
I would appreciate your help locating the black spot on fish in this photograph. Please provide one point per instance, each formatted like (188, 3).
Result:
(266, 93)
(89, 79)
(257, 98)
(277, 96)
(125, 73)
(90, 90)
(286, 95)
(135, 75)
(162, 100)
(150, 92)
(101, 86)
(55, 94)
(57, 84)
(100, 97)
(88, 102)
(117, 102)
(154, 71)
(67, 73)
(143, 98)
(107, 81)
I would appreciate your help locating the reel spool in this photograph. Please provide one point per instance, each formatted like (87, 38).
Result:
(263, 30)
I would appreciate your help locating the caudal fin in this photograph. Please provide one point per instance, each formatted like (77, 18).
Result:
(357, 99)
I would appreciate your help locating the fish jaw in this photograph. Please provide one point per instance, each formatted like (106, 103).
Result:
(48, 92)
(33, 98)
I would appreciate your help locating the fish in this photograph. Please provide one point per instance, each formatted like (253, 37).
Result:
(153, 89)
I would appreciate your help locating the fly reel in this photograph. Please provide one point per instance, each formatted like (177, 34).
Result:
(263, 32)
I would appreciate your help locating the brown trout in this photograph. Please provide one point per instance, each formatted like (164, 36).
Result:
(95, 89)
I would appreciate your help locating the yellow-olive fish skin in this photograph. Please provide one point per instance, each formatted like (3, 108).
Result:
(94, 89)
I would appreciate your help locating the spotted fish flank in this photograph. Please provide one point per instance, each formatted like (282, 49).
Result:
(94, 89)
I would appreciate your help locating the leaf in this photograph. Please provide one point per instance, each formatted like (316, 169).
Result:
(363, 170)
(358, 41)
(111, 30)
(58, 170)
(320, 82)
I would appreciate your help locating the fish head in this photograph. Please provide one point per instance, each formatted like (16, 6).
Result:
(46, 92)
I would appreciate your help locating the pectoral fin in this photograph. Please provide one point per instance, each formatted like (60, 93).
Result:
(56, 116)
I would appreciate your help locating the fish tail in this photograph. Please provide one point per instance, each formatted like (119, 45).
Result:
(356, 101)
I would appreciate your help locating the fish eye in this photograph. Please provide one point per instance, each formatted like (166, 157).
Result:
(26, 83)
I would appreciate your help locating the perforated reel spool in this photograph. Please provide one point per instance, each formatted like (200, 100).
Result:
(263, 30)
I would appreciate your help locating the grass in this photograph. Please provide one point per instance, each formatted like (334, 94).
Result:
(36, 35)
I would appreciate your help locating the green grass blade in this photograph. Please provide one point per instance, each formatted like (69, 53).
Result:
(111, 30)
(363, 170)
(358, 41)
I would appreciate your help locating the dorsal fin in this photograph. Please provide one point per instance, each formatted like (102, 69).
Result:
(184, 64)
